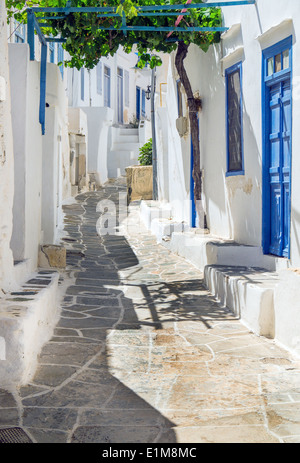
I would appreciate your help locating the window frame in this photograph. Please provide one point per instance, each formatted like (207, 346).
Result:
(228, 72)
(60, 58)
(20, 36)
(52, 52)
(107, 97)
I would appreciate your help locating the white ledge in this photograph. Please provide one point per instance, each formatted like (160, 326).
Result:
(281, 27)
(233, 56)
(234, 29)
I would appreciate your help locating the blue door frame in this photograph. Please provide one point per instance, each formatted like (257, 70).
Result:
(277, 148)
(138, 103)
(193, 214)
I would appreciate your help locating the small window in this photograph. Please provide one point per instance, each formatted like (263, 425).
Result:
(82, 83)
(277, 62)
(234, 120)
(270, 66)
(99, 78)
(286, 59)
(19, 32)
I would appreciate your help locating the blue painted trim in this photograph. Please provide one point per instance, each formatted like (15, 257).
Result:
(193, 211)
(138, 102)
(228, 71)
(55, 39)
(30, 33)
(267, 81)
(43, 73)
(234, 173)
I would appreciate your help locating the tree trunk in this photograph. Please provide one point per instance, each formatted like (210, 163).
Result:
(181, 54)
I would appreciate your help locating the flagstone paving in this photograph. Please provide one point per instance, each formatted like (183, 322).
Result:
(144, 353)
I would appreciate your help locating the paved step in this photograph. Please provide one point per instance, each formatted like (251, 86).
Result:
(122, 146)
(128, 131)
(130, 138)
(27, 320)
(119, 160)
(248, 292)
(147, 354)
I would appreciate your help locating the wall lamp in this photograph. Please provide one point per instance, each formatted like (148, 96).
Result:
(148, 92)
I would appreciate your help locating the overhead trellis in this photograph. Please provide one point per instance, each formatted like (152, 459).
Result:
(37, 22)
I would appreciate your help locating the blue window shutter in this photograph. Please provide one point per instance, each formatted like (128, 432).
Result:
(143, 103)
(82, 83)
(99, 78)
(52, 52)
(234, 118)
(126, 76)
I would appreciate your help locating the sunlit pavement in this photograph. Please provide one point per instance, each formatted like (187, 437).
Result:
(143, 353)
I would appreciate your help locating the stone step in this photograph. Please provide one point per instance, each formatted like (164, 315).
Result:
(153, 210)
(119, 160)
(128, 131)
(127, 138)
(248, 292)
(122, 146)
(27, 320)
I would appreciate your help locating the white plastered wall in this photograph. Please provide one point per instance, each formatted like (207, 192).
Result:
(6, 161)
(56, 155)
(25, 82)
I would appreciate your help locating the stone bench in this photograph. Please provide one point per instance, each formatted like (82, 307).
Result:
(248, 292)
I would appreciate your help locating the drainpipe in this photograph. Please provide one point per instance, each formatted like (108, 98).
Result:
(154, 154)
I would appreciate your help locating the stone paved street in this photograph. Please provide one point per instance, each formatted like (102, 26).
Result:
(143, 353)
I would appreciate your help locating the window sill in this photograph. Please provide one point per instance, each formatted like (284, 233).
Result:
(234, 173)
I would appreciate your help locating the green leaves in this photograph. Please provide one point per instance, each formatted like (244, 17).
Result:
(145, 157)
(86, 42)
(128, 8)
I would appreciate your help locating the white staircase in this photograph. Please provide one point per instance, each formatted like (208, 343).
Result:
(124, 150)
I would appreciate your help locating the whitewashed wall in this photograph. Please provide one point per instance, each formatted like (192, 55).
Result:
(234, 204)
(25, 82)
(6, 162)
(56, 155)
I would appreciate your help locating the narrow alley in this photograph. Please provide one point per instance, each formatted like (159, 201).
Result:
(143, 353)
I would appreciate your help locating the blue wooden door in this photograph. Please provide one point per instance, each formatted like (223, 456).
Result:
(279, 168)
(138, 103)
